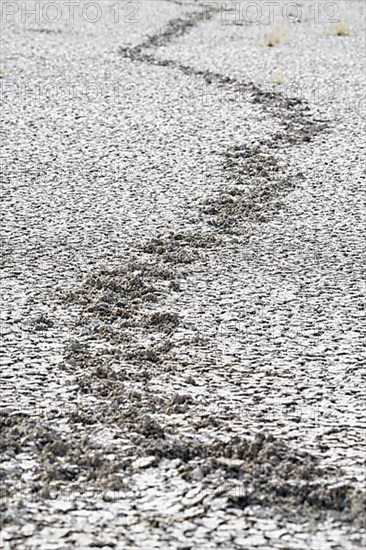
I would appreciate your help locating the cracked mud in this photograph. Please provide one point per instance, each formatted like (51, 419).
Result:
(183, 347)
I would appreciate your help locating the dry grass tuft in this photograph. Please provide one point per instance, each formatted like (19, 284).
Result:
(277, 36)
(277, 79)
(341, 29)
(294, 16)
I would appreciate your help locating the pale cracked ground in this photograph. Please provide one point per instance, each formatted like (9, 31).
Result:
(183, 292)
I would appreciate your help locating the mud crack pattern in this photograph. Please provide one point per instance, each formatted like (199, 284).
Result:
(194, 379)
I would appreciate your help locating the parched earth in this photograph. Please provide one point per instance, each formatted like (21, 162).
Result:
(183, 312)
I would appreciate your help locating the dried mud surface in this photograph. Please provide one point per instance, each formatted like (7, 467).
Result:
(191, 380)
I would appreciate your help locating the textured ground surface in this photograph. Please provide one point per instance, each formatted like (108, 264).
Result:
(183, 313)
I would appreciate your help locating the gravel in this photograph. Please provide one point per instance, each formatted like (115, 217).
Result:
(183, 276)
